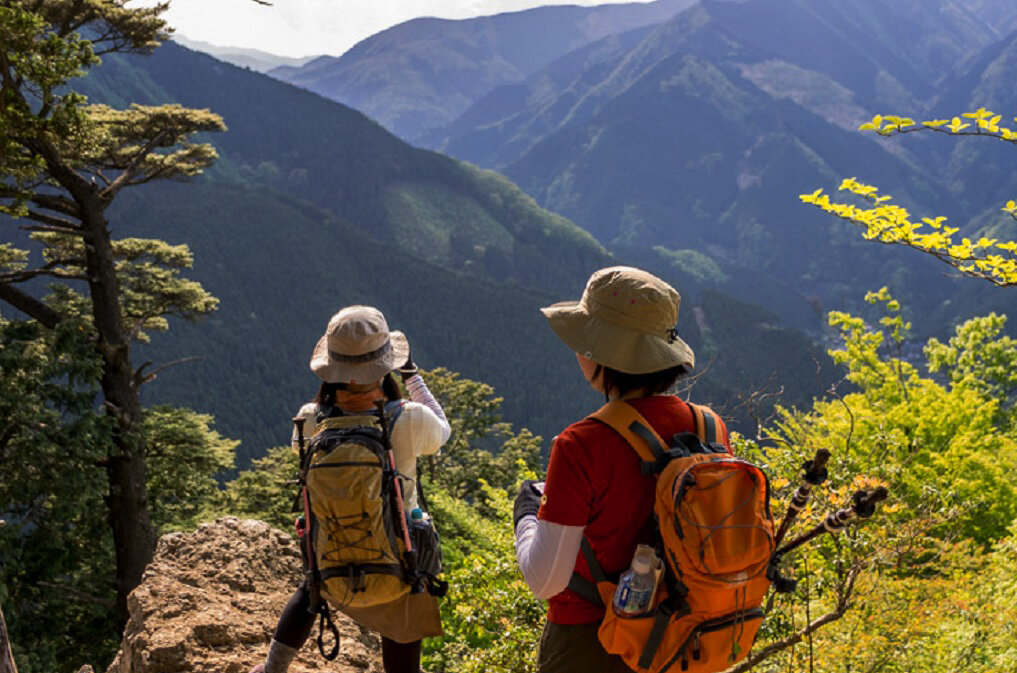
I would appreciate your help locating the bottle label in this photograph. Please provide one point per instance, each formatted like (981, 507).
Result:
(632, 601)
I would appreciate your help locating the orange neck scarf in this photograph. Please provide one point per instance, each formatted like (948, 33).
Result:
(357, 402)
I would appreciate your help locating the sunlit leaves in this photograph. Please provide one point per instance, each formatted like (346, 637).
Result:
(148, 271)
(980, 122)
(885, 222)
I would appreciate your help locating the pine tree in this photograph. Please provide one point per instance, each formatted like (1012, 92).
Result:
(62, 164)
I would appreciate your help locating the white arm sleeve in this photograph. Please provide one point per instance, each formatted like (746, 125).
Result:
(417, 432)
(420, 393)
(546, 553)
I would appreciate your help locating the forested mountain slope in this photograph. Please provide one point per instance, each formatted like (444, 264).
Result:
(700, 133)
(422, 73)
(312, 206)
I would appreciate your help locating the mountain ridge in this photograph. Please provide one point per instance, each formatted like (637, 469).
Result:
(422, 73)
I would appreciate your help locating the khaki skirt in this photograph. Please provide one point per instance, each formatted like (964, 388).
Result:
(405, 620)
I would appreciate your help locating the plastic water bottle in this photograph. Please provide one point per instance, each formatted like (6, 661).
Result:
(634, 595)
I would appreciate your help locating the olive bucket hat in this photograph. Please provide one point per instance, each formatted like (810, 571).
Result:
(358, 347)
(625, 320)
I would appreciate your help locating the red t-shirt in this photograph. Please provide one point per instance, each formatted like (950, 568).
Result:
(593, 480)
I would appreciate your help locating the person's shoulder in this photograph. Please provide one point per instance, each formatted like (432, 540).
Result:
(585, 432)
(410, 407)
(413, 411)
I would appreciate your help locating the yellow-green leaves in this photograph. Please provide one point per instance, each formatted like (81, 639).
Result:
(980, 122)
(887, 124)
(882, 221)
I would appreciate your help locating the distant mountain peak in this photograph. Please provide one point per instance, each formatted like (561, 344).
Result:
(255, 59)
(422, 73)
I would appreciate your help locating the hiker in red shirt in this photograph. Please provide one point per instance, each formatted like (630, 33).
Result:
(623, 334)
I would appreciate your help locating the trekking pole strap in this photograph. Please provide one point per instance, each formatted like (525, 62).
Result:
(325, 623)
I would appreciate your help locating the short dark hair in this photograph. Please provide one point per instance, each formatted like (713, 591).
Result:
(653, 382)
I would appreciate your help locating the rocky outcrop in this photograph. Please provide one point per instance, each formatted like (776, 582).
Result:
(209, 602)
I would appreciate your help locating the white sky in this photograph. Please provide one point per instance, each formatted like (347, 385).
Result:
(312, 27)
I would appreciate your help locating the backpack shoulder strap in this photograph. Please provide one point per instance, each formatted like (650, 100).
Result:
(708, 426)
(706, 423)
(393, 410)
(623, 418)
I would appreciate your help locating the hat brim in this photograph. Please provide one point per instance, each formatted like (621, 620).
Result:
(621, 348)
(330, 371)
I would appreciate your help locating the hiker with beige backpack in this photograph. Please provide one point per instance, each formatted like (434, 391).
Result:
(369, 547)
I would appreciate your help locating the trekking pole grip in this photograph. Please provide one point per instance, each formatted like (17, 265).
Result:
(865, 503)
(815, 469)
(814, 474)
(298, 423)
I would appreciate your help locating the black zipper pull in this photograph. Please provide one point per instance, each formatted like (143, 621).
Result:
(695, 647)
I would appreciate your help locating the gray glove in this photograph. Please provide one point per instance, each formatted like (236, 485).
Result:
(528, 500)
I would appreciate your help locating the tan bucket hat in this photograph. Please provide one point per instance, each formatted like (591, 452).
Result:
(358, 347)
(625, 320)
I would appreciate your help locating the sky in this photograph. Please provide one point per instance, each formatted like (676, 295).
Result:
(312, 27)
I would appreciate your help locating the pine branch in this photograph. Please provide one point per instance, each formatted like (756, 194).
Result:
(29, 305)
(124, 179)
(142, 378)
(22, 276)
(57, 225)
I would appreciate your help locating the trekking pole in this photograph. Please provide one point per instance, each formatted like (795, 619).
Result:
(863, 507)
(410, 554)
(303, 531)
(814, 474)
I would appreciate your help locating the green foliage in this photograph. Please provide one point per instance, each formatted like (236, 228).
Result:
(491, 620)
(267, 489)
(696, 264)
(981, 357)
(185, 455)
(482, 448)
(55, 575)
(148, 271)
(905, 585)
(56, 579)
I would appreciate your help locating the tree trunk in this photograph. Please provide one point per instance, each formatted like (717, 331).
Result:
(133, 535)
(6, 658)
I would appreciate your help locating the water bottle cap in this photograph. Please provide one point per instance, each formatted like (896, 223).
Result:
(641, 564)
(415, 513)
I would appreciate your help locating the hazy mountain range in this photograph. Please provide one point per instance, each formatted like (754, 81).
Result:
(255, 59)
(693, 136)
(423, 73)
(679, 145)
(298, 219)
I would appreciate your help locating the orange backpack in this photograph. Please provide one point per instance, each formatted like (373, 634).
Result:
(716, 535)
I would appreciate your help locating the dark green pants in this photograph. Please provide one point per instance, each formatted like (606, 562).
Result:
(574, 648)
